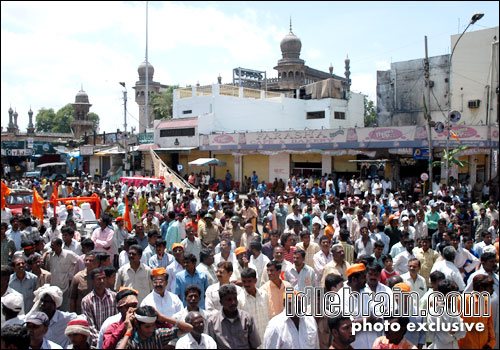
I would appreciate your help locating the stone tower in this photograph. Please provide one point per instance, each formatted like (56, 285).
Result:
(291, 69)
(31, 127)
(140, 94)
(81, 124)
(11, 127)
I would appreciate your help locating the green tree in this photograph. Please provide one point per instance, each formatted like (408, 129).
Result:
(94, 118)
(48, 121)
(44, 120)
(452, 157)
(370, 113)
(64, 117)
(162, 103)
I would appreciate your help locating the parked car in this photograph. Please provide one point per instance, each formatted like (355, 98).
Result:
(52, 171)
(18, 199)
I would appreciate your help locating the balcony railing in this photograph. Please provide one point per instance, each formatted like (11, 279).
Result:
(226, 90)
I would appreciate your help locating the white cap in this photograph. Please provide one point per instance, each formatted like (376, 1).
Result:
(404, 218)
(13, 301)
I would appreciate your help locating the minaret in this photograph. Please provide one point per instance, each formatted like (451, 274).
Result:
(10, 127)
(15, 121)
(219, 79)
(81, 124)
(31, 127)
(330, 69)
(347, 71)
(140, 98)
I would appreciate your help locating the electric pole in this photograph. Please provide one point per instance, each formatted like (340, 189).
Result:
(427, 109)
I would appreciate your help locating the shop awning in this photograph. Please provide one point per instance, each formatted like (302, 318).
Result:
(147, 146)
(174, 150)
(207, 162)
(110, 151)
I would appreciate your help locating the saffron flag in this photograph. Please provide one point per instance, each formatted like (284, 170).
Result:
(5, 193)
(55, 195)
(55, 192)
(126, 216)
(455, 137)
(37, 209)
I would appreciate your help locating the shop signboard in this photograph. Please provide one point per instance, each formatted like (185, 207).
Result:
(40, 147)
(420, 153)
(86, 150)
(12, 145)
(145, 138)
(17, 152)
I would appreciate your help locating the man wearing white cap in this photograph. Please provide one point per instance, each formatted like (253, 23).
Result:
(48, 299)
(12, 304)
(405, 226)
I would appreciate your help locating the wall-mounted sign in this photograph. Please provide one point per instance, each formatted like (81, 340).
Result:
(145, 138)
(86, 150)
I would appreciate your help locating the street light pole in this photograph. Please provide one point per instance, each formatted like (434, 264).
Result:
(476, 17)
(125, 124)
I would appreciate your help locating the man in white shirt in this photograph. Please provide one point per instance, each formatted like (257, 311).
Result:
(448, 267)
(377, 187)
(255, 301)
(386, 185)
(165, 302)
(365, 339)
(224, 274)
(294, 332)
(464, 260)
(295, 215)
(176, 266)
(192, 244)
(323, 257)
(401, 260)
(416, 282)
(206, 265)
(196, 339)
(300, 275)
(258, 260)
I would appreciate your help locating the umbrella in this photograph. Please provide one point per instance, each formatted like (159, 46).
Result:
(207, 162)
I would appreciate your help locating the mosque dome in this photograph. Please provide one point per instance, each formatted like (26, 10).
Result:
(82, 97)
(290, 46)
(142, 71)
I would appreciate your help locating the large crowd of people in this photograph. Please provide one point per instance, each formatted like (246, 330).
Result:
(165, 267)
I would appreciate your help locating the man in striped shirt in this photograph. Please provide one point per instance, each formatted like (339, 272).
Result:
(98, 305)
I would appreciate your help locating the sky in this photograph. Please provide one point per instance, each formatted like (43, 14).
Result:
(50, 50)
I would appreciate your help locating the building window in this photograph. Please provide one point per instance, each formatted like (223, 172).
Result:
(187, 111)
(177, 132)
(316, 115)
(339, 115)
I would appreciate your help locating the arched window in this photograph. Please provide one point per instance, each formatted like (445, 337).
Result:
(284, 75)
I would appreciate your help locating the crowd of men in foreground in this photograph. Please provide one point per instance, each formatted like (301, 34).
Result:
(209, 270)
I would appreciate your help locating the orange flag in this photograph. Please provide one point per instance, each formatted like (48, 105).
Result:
(55, 193)
(37, 209)
(5, 193)
(455, 137)
(126, 216)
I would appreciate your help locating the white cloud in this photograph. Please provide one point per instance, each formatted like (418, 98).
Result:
(382, 65)
(48, 50)
(365, 84)
(313, 54)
